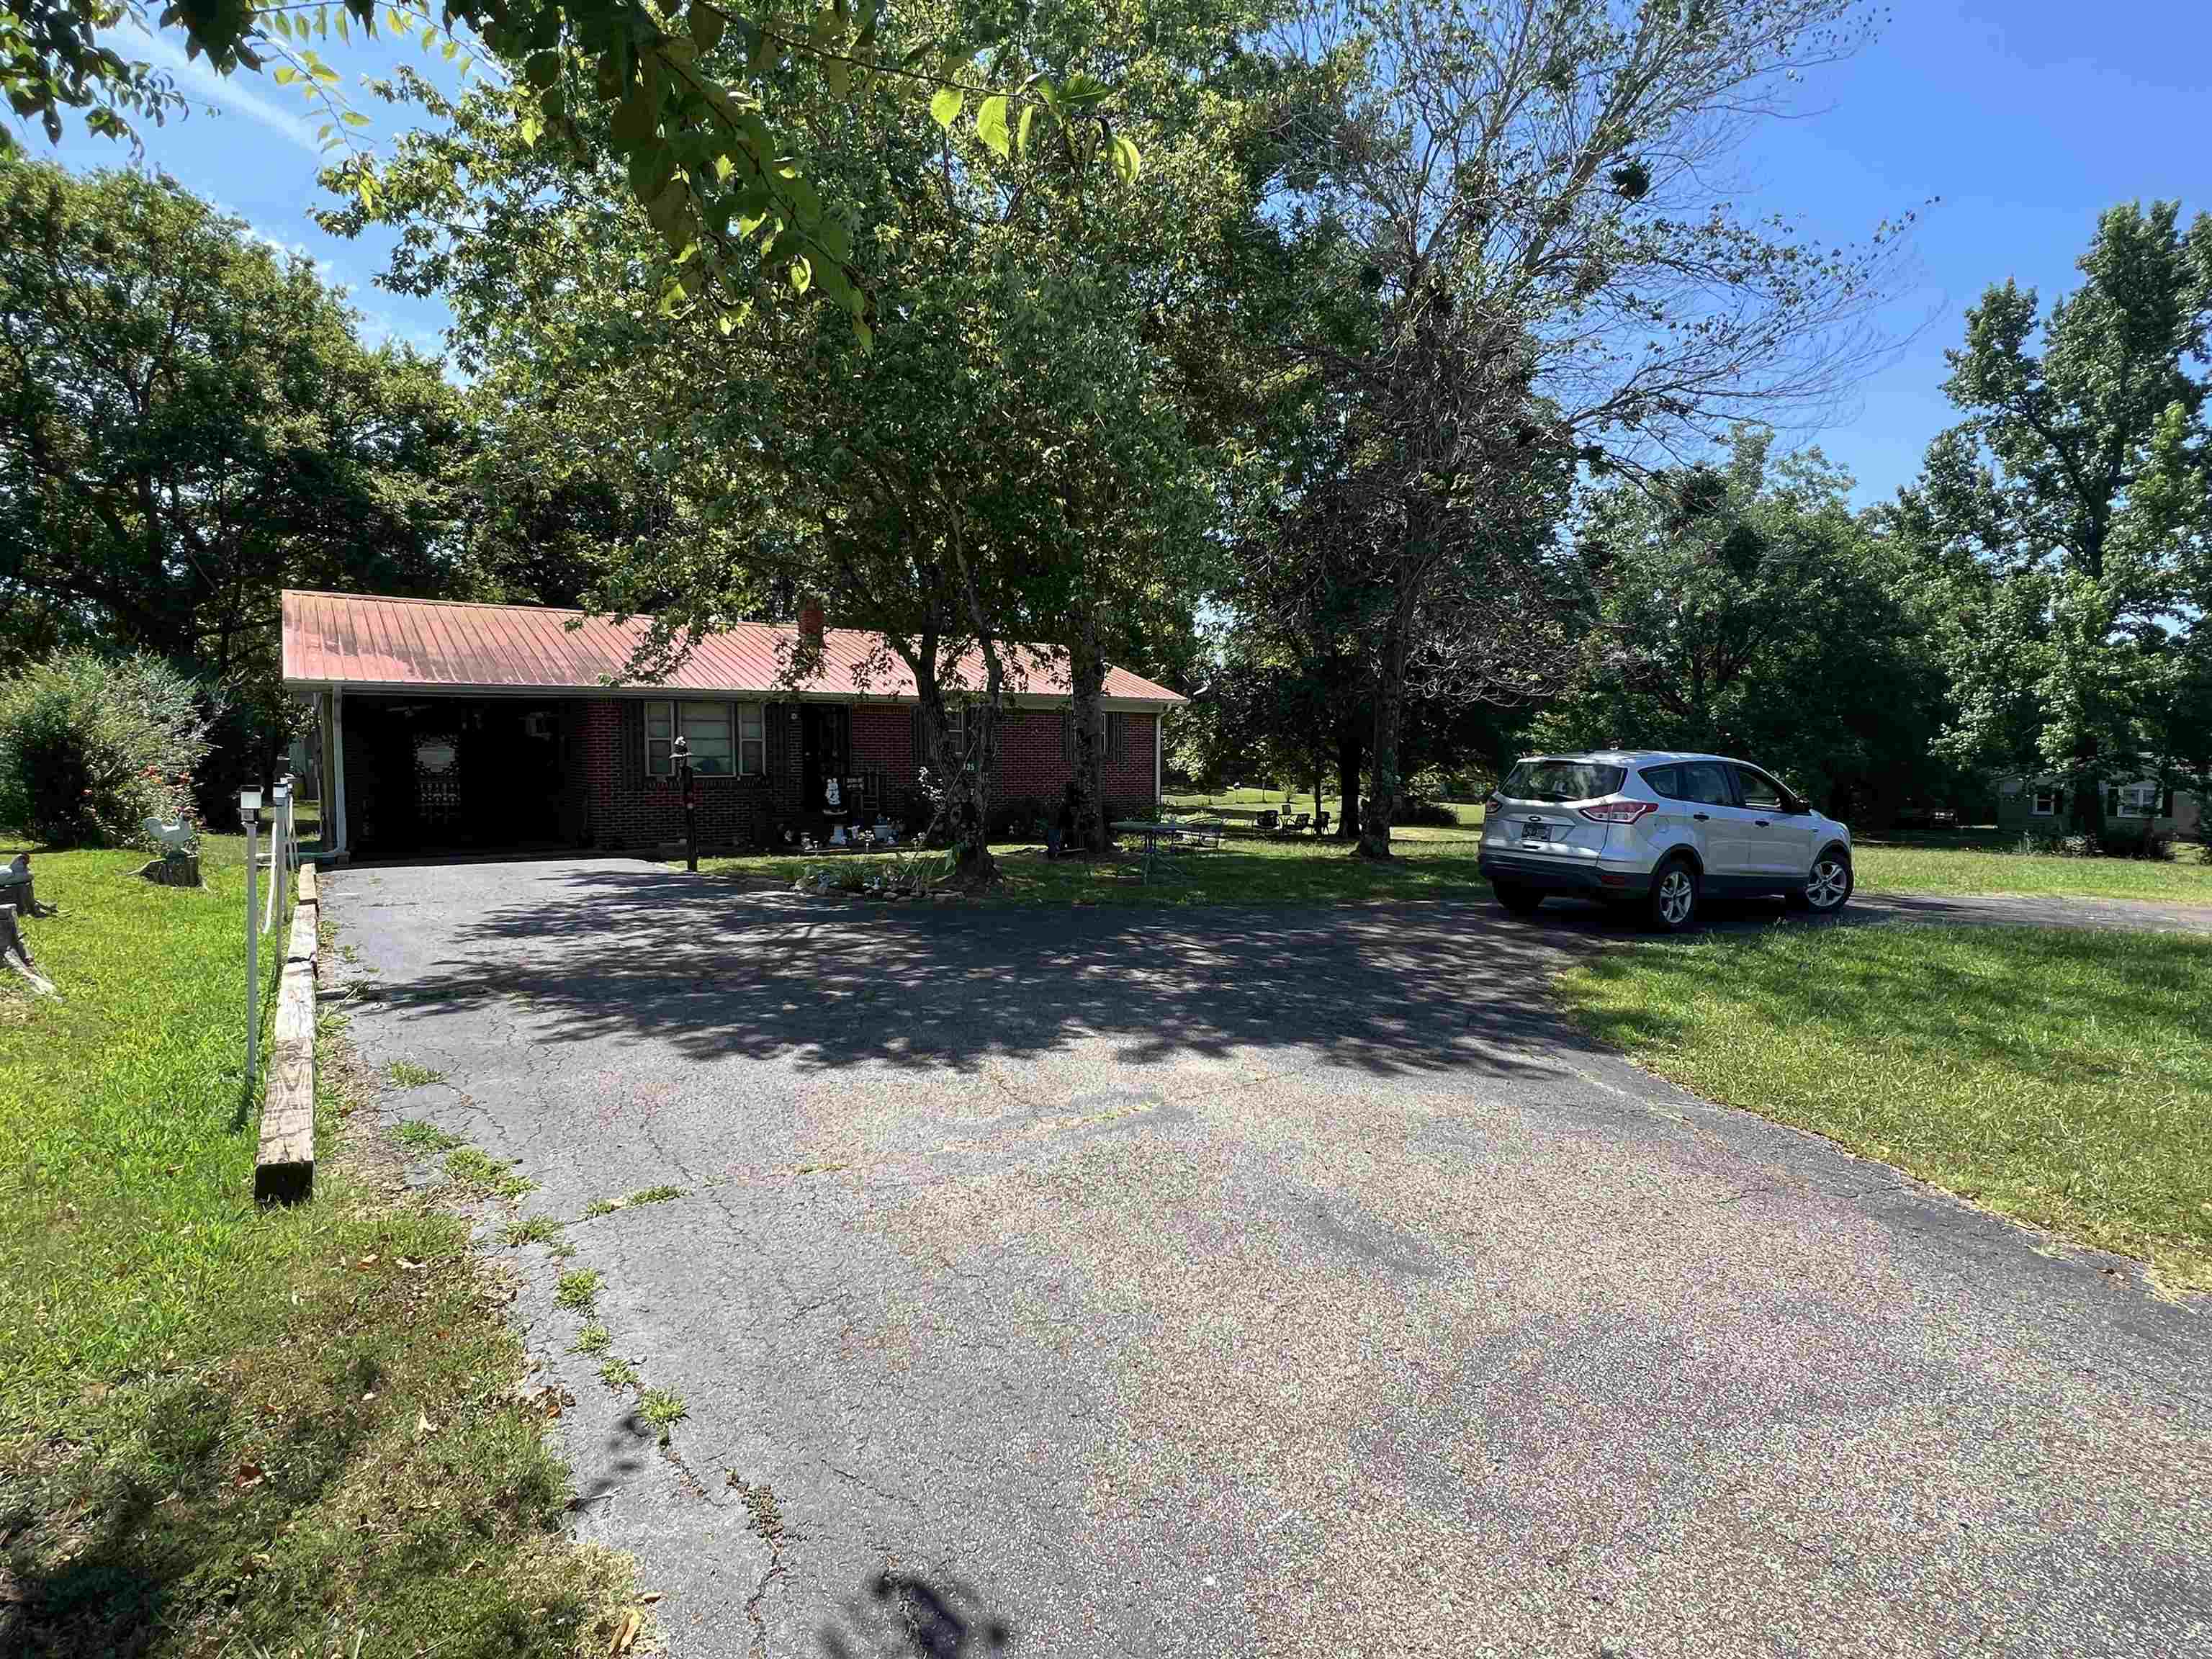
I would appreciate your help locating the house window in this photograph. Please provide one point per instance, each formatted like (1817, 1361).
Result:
(2138, 801)
(724, 738)
(2046, 804)
(1113, 741)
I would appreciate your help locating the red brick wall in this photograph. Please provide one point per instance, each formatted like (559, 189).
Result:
(1032, 760)
(625, 809)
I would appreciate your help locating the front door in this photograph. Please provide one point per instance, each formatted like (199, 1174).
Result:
(825, 750)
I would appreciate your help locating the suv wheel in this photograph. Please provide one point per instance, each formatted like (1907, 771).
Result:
(1674, 904)
(1521, 900)
(1828, 888)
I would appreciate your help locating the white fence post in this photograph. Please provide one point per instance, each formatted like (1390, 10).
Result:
(249, 812)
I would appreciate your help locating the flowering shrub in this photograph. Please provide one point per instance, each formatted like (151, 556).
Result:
(90, 748)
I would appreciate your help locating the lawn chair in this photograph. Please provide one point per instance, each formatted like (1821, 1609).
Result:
(1267, 820)
(1299, 825)
(1321, 824)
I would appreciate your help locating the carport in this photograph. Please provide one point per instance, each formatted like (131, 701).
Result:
(422, 775)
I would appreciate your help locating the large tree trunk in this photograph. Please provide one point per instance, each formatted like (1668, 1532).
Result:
(1350, 753)
(1087, 671)
(1389, 703)
(2089, 809)
(963, 765)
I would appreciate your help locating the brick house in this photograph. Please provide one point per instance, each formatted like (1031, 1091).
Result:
(2040, 806)
(449, 728)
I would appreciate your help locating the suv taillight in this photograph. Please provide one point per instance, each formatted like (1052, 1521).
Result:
(1496, 802)
(1618, 812)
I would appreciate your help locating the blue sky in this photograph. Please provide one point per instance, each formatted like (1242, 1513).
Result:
(2026, 117)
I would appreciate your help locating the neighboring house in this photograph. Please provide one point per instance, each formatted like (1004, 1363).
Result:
(2042, 803)
(450, 726)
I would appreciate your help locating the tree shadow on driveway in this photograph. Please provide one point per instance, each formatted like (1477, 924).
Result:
(609, 949)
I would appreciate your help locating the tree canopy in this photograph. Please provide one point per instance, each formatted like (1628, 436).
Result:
(2064, 521)
(190, 424)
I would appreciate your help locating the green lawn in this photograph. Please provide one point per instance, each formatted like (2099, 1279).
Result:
(1431, 864)
(227, 1431)
(2061, 1076)
(1988, 863)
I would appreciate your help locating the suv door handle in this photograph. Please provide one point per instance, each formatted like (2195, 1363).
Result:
(1761, 822)
(1701, 817)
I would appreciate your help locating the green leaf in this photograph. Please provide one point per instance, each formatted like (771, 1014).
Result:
(1128, 159)
(1022, 128)
(634, 122)
(945, 106)
(837, 74)
(802, 273)
(542, 68)
(284, 75)
(430, 34)
(706, 25)
(991, 127)
(353, 118)
(1080, 91)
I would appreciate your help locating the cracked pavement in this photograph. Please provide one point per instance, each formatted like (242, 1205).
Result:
(1105, 1282)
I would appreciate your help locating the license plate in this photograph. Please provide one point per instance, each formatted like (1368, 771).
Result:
(1535, 832)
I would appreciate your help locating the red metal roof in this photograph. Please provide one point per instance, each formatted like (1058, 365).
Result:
(364, 641)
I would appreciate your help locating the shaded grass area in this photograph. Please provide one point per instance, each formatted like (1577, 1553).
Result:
(1241, 805)
(227, 1431)
(2059, 1076)
(1431, 864)
(1992, 864)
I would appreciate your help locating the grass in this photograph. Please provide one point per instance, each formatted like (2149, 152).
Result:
(619, 1373)
(406, 1074)
(578, 1291)
(538, 1230)
(1431, 864)
(230, 1431)
(663, 1408)
(1991, 863)
(479, 1175)
(593, 1339)
(424, 1137)
(1243, 803)
(2061, 1076)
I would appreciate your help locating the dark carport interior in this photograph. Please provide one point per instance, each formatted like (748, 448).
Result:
(443, 774)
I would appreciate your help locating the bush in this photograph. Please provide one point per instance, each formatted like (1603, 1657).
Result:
(2154, 844)
(1433, 814)
(89, 748)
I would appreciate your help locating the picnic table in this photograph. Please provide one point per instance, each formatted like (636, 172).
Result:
(1170, 836)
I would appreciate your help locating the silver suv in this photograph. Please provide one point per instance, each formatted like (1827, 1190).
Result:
(1659, 832)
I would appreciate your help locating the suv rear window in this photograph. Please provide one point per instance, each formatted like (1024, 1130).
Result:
(1561, 780)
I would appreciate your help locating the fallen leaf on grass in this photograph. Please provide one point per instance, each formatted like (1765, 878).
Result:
(626, 1635)
(249, 1474)
(423, 1427)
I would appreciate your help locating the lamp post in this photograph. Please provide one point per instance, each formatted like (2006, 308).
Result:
(681, 750)
(249, 817)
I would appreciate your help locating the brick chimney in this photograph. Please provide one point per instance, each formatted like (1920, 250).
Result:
(810, 621)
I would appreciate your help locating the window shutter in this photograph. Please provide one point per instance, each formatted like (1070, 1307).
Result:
(633, 729)
(2165, 802)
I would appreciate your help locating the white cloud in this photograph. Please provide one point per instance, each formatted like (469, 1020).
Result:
(225, 91)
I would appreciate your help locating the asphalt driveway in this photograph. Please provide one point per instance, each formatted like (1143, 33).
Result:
(1105, 1282)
